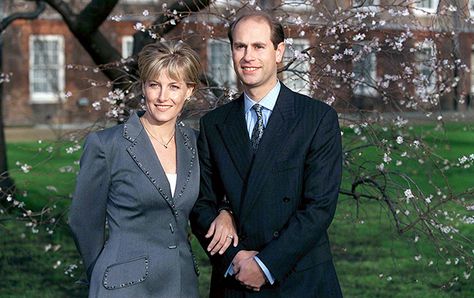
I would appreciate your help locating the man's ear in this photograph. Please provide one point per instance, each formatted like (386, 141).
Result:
(280, 51)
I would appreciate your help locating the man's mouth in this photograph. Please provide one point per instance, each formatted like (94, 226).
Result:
(249, 68)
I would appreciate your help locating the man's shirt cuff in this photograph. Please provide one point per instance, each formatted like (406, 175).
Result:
(268, 275)
(265, 270)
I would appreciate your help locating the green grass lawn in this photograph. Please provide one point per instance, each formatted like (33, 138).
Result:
(372, 260)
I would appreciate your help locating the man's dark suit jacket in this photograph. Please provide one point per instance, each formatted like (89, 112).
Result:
(283, 197)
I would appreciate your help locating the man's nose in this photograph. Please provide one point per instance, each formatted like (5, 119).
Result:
(249, 55)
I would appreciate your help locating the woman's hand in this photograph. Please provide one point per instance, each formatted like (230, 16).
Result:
(225, 233)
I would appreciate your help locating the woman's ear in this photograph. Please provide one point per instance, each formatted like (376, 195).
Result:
(143, 87)
(190, 91)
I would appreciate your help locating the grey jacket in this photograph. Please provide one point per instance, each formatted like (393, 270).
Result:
(146, 252)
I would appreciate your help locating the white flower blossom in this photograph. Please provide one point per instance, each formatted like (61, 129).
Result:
(408, 194)
(139, 27)
(25, 168)
(359, 36)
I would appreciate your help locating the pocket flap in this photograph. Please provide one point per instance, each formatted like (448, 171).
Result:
(125, 274)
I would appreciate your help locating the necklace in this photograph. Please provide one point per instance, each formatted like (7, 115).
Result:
(165, 144)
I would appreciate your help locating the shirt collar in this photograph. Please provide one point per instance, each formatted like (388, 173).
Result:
(268, 101)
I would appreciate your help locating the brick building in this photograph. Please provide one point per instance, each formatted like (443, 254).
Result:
(53, 79)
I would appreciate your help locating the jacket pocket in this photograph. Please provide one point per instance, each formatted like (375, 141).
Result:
(126, 274)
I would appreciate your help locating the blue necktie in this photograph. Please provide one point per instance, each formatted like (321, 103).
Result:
(257, 132)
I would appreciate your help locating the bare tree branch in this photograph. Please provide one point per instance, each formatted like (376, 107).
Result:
(162, 25)
(40, 7)
(94, 14)
(85, 27)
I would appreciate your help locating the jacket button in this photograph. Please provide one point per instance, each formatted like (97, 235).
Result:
(286, 200)
(276, 234)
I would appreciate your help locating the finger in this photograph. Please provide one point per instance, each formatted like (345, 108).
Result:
(211, 230)
(212, 245)
(227, 243)
(236, 240)
(215, 240)
(218, 244)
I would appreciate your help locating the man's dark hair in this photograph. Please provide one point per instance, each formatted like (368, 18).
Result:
(277, 33)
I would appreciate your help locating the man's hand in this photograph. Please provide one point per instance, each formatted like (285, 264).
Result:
(248, 271)
(225, 233)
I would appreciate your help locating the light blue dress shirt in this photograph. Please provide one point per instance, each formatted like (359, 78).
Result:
(268, 102)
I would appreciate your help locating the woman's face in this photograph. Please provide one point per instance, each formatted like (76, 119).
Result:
(165, 98)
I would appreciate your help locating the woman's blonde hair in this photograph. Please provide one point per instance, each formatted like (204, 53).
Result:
(177, 59)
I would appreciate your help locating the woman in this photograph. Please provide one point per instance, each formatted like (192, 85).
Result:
(143, 177)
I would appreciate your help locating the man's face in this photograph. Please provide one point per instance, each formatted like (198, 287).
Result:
(254, 56)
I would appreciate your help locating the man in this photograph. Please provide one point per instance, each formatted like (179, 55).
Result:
(272, 158)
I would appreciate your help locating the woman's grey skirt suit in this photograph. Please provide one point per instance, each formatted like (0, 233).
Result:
(146, 252)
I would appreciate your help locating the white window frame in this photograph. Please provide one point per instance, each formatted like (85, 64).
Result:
(362, 88)
(226, 3)
(232, 83)
(139, 1)
(126, 39)
(296, 5)
(47, 97)
(420, 59)
(422, 10)
(373, 6)
(289, 78)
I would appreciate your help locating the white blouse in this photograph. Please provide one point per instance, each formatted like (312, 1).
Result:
(172, 181)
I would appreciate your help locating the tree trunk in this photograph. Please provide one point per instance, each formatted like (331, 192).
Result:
(6, 183)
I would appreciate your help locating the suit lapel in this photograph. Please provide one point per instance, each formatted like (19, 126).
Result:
(142, 152)
(280, 125)
(235, 136)
(185, 159)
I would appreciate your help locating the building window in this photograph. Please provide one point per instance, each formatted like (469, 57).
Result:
(297, 5)
(140, 1)
(294, 2)
(426, 6)
(127, 46)
(46, 68)
(425, 60)
(364, 67)
(297, 76)
(471, 7)
(364, 3)
(220, 63)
